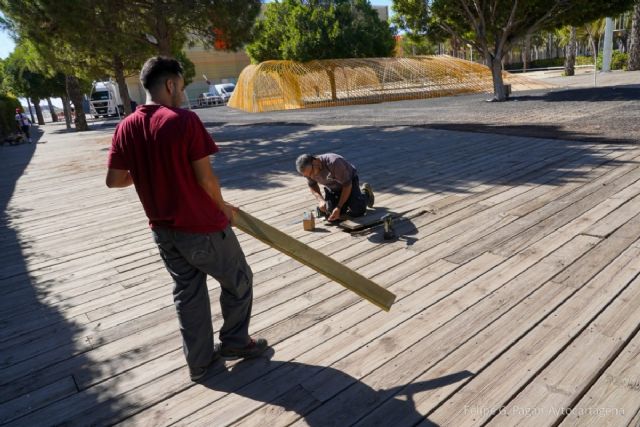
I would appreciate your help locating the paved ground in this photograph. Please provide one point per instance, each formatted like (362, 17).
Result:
(574, 110)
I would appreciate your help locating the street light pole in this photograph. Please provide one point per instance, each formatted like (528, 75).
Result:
(607, 51)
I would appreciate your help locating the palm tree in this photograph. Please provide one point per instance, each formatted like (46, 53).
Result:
(595, 31)
(568, 38)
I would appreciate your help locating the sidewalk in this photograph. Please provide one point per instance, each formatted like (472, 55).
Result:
(573, 111)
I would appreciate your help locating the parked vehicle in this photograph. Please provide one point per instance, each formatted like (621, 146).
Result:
(224, 90)
(208, 99)
(105, 99)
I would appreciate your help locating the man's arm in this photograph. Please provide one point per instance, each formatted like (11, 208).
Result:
(344, 196)
(209, 182)
(315, 190)
(118, 178)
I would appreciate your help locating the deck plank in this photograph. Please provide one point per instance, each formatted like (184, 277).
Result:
(506, 249)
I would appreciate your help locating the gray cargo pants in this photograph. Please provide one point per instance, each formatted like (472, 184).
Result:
(189, 258)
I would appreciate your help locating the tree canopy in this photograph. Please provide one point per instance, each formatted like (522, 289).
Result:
(96, 38)
(493, 27)
(303, 30)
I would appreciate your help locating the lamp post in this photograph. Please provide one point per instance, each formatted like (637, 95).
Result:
(607, 50)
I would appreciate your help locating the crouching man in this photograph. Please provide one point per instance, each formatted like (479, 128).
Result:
(342, 193)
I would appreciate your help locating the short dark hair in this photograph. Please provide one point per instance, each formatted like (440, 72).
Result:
(157, 69)
(303, 161)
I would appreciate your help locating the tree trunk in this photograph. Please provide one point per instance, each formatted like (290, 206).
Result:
(162, 34)
(634, 44)
(36, 106)
(570, 58)
(499, 91)
(526, 53)
(75, 94)
(66, 108)
(118, 68)
(52, 111)
(30, 110)
(332, 80)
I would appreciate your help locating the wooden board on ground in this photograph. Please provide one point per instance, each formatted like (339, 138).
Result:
(372, 217)
(317, 260)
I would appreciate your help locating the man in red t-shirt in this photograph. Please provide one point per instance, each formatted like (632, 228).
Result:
(164, 151)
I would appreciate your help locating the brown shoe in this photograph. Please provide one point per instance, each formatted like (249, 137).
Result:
(254, 349)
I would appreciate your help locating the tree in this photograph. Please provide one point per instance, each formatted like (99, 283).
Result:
(126, 32)
(571, 48)
(23, 77)
(413, 18)
(302, 30)
(634, 45)
(594, 31)
(493, 27)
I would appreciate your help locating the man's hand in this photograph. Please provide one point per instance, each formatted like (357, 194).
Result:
(322, 206)
(335, 215)
(229, 211)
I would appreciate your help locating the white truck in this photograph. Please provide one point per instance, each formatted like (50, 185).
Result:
(224, 90)
(105, 99)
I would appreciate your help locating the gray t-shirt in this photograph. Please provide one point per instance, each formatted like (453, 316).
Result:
(335, 172)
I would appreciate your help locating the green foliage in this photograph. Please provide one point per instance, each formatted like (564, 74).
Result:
(499, 24)
(188, 67)
(417, 46)
(619, 60)
(537, 63)
(303, 30)
(8, 105)
(23, 77)
(584, 60)
(413, 17)
(87, 37)
(494, 27)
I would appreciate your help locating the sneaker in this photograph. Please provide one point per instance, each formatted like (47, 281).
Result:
(197, 373)
(366, 189)
(254, 349)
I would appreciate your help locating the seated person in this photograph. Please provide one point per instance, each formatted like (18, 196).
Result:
(342, 193)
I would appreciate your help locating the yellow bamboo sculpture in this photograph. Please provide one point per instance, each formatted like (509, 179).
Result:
(285, 85)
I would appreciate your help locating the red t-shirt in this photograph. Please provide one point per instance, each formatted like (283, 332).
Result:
(157, 144)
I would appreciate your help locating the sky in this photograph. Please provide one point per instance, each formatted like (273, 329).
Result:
(6, 43)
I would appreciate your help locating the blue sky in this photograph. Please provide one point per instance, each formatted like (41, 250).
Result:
(7, 45)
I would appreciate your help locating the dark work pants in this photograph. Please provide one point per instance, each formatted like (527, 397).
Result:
(189, 258)
(356, 204)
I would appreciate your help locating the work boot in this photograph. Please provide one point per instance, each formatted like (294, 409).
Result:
(198, 373)
(254, 349)
(366, 189)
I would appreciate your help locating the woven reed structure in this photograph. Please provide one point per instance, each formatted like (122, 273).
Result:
(283, 85)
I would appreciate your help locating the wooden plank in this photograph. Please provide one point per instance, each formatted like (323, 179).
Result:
(467, 342)
(570, 374)
(528, 355)
(317, 260)
(616, 394)
(496, 277)
(39, 398)
(403, 367)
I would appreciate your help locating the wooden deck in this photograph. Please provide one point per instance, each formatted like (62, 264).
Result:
(516, 272)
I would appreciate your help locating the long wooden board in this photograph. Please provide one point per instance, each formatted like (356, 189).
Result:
(317, 260)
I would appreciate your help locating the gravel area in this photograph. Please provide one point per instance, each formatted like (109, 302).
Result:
(574, 110)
